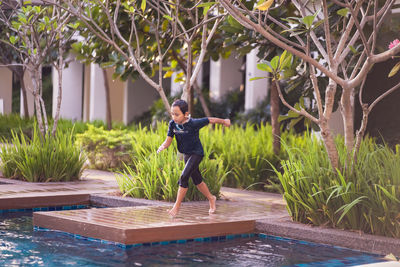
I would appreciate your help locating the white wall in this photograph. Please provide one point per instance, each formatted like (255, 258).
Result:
(97, 103)
(225, 76)
(72, 91)
(256, 91)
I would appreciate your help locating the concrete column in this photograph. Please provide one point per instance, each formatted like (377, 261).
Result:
(139, 96)
(255, 91)
(97, 102)
(225, 76)
(72, 91)
(117, 93)
(86, 92)
(5, 90)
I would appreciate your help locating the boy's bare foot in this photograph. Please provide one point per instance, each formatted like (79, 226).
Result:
(212, 205)
(173, 212)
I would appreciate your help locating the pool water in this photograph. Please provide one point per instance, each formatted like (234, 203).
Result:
(21, 246)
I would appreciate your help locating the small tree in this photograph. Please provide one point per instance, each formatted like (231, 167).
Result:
(39, 35)
(339, 39)
(143, 33)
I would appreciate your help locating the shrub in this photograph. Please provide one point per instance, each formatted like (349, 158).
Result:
(41, 159)
(106, 149)
(14, 122)
(362, 195)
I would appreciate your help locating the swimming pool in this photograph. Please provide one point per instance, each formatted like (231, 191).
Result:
(21, 246)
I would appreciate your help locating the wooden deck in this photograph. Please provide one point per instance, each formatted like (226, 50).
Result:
(135, 225)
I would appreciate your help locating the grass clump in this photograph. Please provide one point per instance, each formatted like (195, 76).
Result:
(362, 195)
(50, 159)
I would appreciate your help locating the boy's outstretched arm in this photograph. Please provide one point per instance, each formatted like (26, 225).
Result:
(225, 122)
(165, 145)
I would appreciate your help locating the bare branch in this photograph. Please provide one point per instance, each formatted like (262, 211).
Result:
(302, 111)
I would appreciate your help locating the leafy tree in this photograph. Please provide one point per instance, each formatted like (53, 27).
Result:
(338, 39)
(141, 34)
(39, 34)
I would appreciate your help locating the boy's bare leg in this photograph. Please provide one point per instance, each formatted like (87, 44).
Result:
(203, 188)
(179, 198)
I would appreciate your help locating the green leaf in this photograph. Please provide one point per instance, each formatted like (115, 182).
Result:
(264, 67)
(209, 4)
(282, 58)
(13, 39)
(394, 70)
(353, 49)
(287, 62)
(105, 65)
(143, 5)
(168, 17)
(234, 23)
(308, 20)
(205, 10)
(257, 78)
(343, 12)
(274, 63)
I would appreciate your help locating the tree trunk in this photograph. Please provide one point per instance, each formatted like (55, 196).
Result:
(36, 94)
(187, 94)
(274, 117)
(202, 100)
(108, 100)
(348, 118)
(330, 146)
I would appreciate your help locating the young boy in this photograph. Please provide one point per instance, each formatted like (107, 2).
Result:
(186, 132)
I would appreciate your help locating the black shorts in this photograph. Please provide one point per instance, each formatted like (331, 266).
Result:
(191, 169)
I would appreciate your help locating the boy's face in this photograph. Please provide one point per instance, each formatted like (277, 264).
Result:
(177, 115)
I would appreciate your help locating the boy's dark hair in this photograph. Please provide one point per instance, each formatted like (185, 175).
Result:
(183, 106)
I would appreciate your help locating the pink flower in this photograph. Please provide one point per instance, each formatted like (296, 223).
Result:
(394, 43)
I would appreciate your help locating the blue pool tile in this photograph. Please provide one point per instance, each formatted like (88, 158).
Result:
(230, 236)
(199, 239)
(164, 242)
(262, 235)
(222, 237)
(52, 208)
(182, 241)
(155, 243)
(147, 244)
(44, 209)
(244, 235)
(214, 238)
(206, 239)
